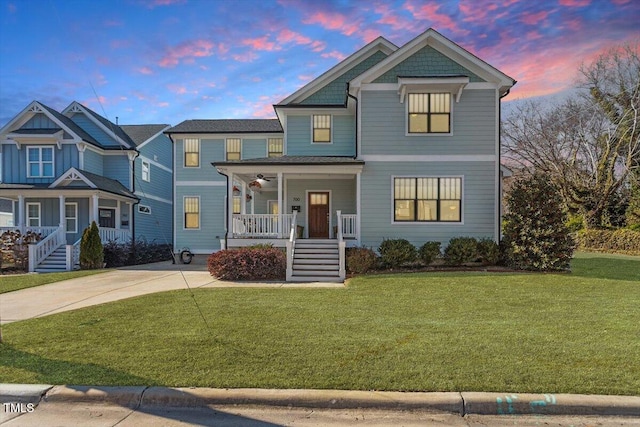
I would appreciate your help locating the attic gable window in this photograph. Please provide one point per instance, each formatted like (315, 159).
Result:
(429, 113)
(322, 128)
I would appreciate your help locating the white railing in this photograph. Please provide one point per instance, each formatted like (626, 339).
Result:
(73, 255)
(341, 246)
(260, 225)
(291, 246)
(349, 230)
(3, 229)
(38, 252)
(114, 234)
(43, 231)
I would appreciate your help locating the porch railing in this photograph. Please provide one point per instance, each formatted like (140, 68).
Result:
(38, 252)
(44, 231)
(261, 225)
(291, 246)
(342, 271)
(73, 255)
(349, 226)
(114, 234)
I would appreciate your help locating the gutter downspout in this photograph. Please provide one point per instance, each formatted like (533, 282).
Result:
(500, 163)
(173, 198)
(226, 212)
(357, 106)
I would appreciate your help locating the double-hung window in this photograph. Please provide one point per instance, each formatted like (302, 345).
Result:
(427, 199)
(237, 204)
(275, 147)
(322, 128)
(40, 162)
(192, 212)
(33, 214)
(191, 153)
(71, 217)
(146, 171)
(233, 148)
(429, 113)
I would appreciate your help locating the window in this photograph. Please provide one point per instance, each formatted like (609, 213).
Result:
(427, 199)
(275, 147)
(191, 153)
(233, 148)
(40, 162)
(33, 214)
(192, 212)
(144, 209)
(429, 113)
(146, 171)
(71, 217)
(237, 204)
(322, 128)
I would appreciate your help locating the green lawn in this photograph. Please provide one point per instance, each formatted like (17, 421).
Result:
(539, 333)
(14, 282)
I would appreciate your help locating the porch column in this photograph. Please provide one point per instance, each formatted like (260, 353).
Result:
(94, 210)
(243, 198)
(118, 208)
(63, 222)
(358, 206)
(230, 204)
(21, 213)
(280, 233)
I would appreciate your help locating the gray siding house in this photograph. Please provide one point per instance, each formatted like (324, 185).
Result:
(392, 142)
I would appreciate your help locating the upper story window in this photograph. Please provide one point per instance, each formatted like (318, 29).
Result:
(275, 147)
(322, 128)
(146, 171)
(40, 162)
(427, 199)
(192, 212)
(429, 113)
(191, 153)
(233, 148)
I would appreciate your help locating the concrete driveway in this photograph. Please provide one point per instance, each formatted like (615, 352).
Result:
(115, 285)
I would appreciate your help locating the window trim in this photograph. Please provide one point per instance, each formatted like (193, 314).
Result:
(184, 214)
(74, 218)
(148, 174)
(430, 134)
(39, 217)
(436, 222)
(313, 141)
(226, 148)
(185, 152)
(281, 152)
(41, 162)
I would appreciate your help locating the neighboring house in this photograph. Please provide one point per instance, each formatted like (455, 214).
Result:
(6, 213)
(63, 170)
(393, 142)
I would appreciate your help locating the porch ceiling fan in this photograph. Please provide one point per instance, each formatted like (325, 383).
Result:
(265, 178)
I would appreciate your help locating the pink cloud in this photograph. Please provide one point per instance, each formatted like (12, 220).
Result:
(157, 3)
(261, 43)
(334, 54)
(288, 36)
(534, 18)
(187, 50)
(305, 77)
(145, 70)
(318, 46)
(245, 57)
(574, 3)
(334, 21)
(429, 12)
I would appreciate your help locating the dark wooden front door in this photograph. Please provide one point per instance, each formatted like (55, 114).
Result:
(107, 218)
(318, 204)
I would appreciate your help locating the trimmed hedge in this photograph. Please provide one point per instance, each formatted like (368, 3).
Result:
(395, 252)
(117, 254)
(248, 264)
(488, 252)
(623, 240)
(361, 260)
(429, 252)
(461, 250)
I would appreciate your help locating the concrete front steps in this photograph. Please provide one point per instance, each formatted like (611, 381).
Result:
(316, 260)
(55, 262)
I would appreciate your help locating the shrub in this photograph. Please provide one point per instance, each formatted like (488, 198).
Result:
(536, 236)
(429, 252)
(248, 264)
(118, 254)
(91, 250)
(461, 250)
(395, 252)
(14, 248)
(575, 223)
(488, 251)
(361, 260)
(623, 240)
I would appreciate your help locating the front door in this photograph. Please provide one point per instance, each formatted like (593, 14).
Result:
(107, 218)
(318, 204)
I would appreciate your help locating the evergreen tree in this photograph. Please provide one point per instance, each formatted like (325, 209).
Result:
(91, 250)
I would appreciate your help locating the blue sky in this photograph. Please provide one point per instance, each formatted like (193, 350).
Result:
(164, 61)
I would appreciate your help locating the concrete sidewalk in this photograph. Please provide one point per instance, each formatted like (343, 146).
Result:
(115, 285)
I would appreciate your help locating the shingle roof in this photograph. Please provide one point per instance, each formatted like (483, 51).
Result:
(107, 184)
(141, 133)
(228, 126)
(111, 126)
(50, 131)
(293, 160)
(72, 126)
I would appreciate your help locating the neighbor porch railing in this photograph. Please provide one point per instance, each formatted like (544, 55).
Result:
(348, 222)
(73, 255)
(114, 234)
(291, 246)
(342, 271)
(38, 252)
(44, 231)
(261, 225)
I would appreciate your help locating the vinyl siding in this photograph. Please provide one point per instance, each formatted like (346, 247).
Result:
(478, 204)
(93, 162)
(157, 226)
(161, 147)
(210, 150)
(207, 238)
(254, 148)
(299, 137)
(117, 167)
(14, 163)
(473, 126)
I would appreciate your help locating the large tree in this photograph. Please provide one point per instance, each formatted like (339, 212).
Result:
(589, 144)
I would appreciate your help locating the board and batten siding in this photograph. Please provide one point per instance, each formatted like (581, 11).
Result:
(40, 121)
(384, 126)
(478, 202)
(210, 150)
(206, 239)
(14, 163)
(299, 137)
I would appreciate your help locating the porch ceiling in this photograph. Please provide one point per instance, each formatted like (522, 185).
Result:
(10, 191)
(300, 166)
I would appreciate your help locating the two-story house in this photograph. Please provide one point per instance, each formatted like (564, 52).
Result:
(63, 170)
(392, 142)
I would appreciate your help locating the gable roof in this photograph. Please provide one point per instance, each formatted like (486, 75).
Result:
(445, 46)
(92, 180)
(140, 134)
(107, 126)
(228, 126)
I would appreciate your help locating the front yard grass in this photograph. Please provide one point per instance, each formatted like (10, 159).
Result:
(14, 282)
(573, 332)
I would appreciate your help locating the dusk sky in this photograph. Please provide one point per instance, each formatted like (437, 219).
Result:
(164, 61)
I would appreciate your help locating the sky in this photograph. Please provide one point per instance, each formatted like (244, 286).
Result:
(165, 61)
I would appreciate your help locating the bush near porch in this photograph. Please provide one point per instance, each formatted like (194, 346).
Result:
(259, 263)
(14, 249)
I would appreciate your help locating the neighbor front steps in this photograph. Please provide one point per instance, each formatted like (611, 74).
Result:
(316, 260)
(55, 262)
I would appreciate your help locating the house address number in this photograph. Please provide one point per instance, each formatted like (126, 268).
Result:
(296, 199)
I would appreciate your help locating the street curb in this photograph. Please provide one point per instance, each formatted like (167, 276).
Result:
(129, 397)
(23, 393)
